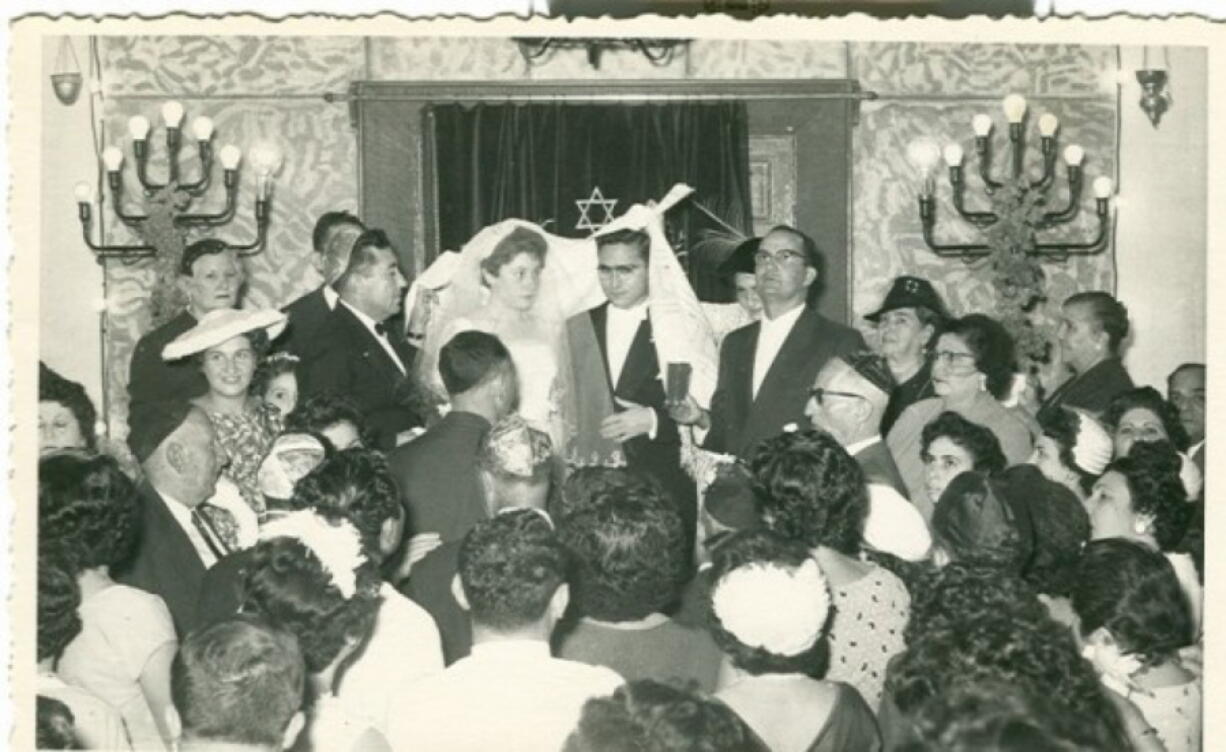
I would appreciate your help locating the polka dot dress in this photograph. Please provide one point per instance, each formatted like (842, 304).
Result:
(1175, 712)
(866, 630)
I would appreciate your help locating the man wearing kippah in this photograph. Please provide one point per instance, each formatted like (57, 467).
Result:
(847, 401)
(211, 276)
(176, 446)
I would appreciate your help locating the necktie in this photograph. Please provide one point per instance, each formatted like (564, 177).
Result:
(211, 537)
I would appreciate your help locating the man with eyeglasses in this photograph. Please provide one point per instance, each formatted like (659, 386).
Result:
(767, 367)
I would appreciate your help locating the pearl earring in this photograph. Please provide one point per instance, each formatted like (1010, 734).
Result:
(1140, 527)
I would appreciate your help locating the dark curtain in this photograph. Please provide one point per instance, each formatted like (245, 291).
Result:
(534, 161)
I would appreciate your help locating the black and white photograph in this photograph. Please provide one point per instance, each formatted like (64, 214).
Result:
(607, 385)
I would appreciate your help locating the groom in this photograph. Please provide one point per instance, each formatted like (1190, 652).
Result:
(622, 326)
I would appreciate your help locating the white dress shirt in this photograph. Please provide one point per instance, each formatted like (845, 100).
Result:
(856, 446)
(369, 323)
(183, 515)
(331, 296)
(508, 694)
(621, 324)
(770, 340)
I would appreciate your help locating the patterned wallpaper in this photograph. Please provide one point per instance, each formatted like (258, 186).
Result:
(270, 88)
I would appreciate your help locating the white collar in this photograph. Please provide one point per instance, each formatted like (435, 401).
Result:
(331, 296)
(367, 321)
(518, 647)
(650, 621)
(636, 312)
(862, 444)
(784, 320)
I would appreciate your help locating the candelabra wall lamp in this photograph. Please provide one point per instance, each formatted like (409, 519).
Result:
(176, 193)
(659, 52)
(1017, 201)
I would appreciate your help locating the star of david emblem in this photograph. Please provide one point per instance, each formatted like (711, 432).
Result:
(585, 207)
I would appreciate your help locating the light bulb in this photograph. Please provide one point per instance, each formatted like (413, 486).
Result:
(203, 128)
(138, 126)
(953, 155)
(231, 155)
(83, 193)
(1073, 155)
(924, 154)
(1103, 186)
(112, 157)
(265, 158)
(1015, 108)
(982, 125)
(1048, 124)
(172, 113)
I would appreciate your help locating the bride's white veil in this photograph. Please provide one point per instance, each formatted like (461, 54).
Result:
(569, 285)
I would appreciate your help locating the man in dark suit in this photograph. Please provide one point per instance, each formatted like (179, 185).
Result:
(1185, 389)
(766, 368)
(359, 356)
(849, 396)
(437, 472)
(176, 446)
(333, 239)
(210, 276)
(640, 421)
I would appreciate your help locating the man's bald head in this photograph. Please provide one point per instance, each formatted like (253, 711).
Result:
(186, 463)
(846, 402)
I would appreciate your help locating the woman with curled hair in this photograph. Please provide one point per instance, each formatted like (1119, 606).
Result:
(1093, 325)
(650, 715)
(1020, 647)
(87, 518)
(812, 491)
(769, 610)
(1133, 621)
(309, 576)
(97, 724)
(1141, 498)
(66, 415)
(1143, 415)
(949, 446)
(972, 371)
(1072, 449)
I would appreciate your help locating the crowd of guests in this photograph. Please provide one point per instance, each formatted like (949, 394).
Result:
(904, 548)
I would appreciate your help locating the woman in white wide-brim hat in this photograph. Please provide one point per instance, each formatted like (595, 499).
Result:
(228, 345)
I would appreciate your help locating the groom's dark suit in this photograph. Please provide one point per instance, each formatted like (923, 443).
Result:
(351, 363)
(739, 419)
(641, 382)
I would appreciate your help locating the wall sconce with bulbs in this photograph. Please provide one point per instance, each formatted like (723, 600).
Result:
(265, 159)
(926, 155)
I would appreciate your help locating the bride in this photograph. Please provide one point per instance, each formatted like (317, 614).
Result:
(510, 283)
(522, 284)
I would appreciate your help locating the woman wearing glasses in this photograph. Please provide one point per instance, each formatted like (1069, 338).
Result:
(972, 369)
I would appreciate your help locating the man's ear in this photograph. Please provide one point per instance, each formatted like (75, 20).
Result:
(174, 724)
(176, 456)
(457, 592)
(317, 261)
(559, 602)
(810, 276)
(390, 534)
(293, 729)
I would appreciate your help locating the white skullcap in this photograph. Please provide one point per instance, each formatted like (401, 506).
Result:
(1092, 447)
(894, 525)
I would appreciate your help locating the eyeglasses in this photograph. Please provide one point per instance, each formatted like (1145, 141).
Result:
(820, 394)
(785, 256)
(954, 359)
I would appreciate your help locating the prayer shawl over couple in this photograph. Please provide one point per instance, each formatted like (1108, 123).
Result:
(591, 325)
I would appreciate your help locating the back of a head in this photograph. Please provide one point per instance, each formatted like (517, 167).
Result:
(811, 490)
(964, 591)
(985, 521)
(238, 681)
(88, 510)
(356, 484)
(594, 486)
(54, 725)
(649, 716)
(1061, 528)
(59, 597)
(1151, 470)
(515, 453)
(510, 566)
(470, 359)
(629, 557)
(1132, 591)
(992, 716)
